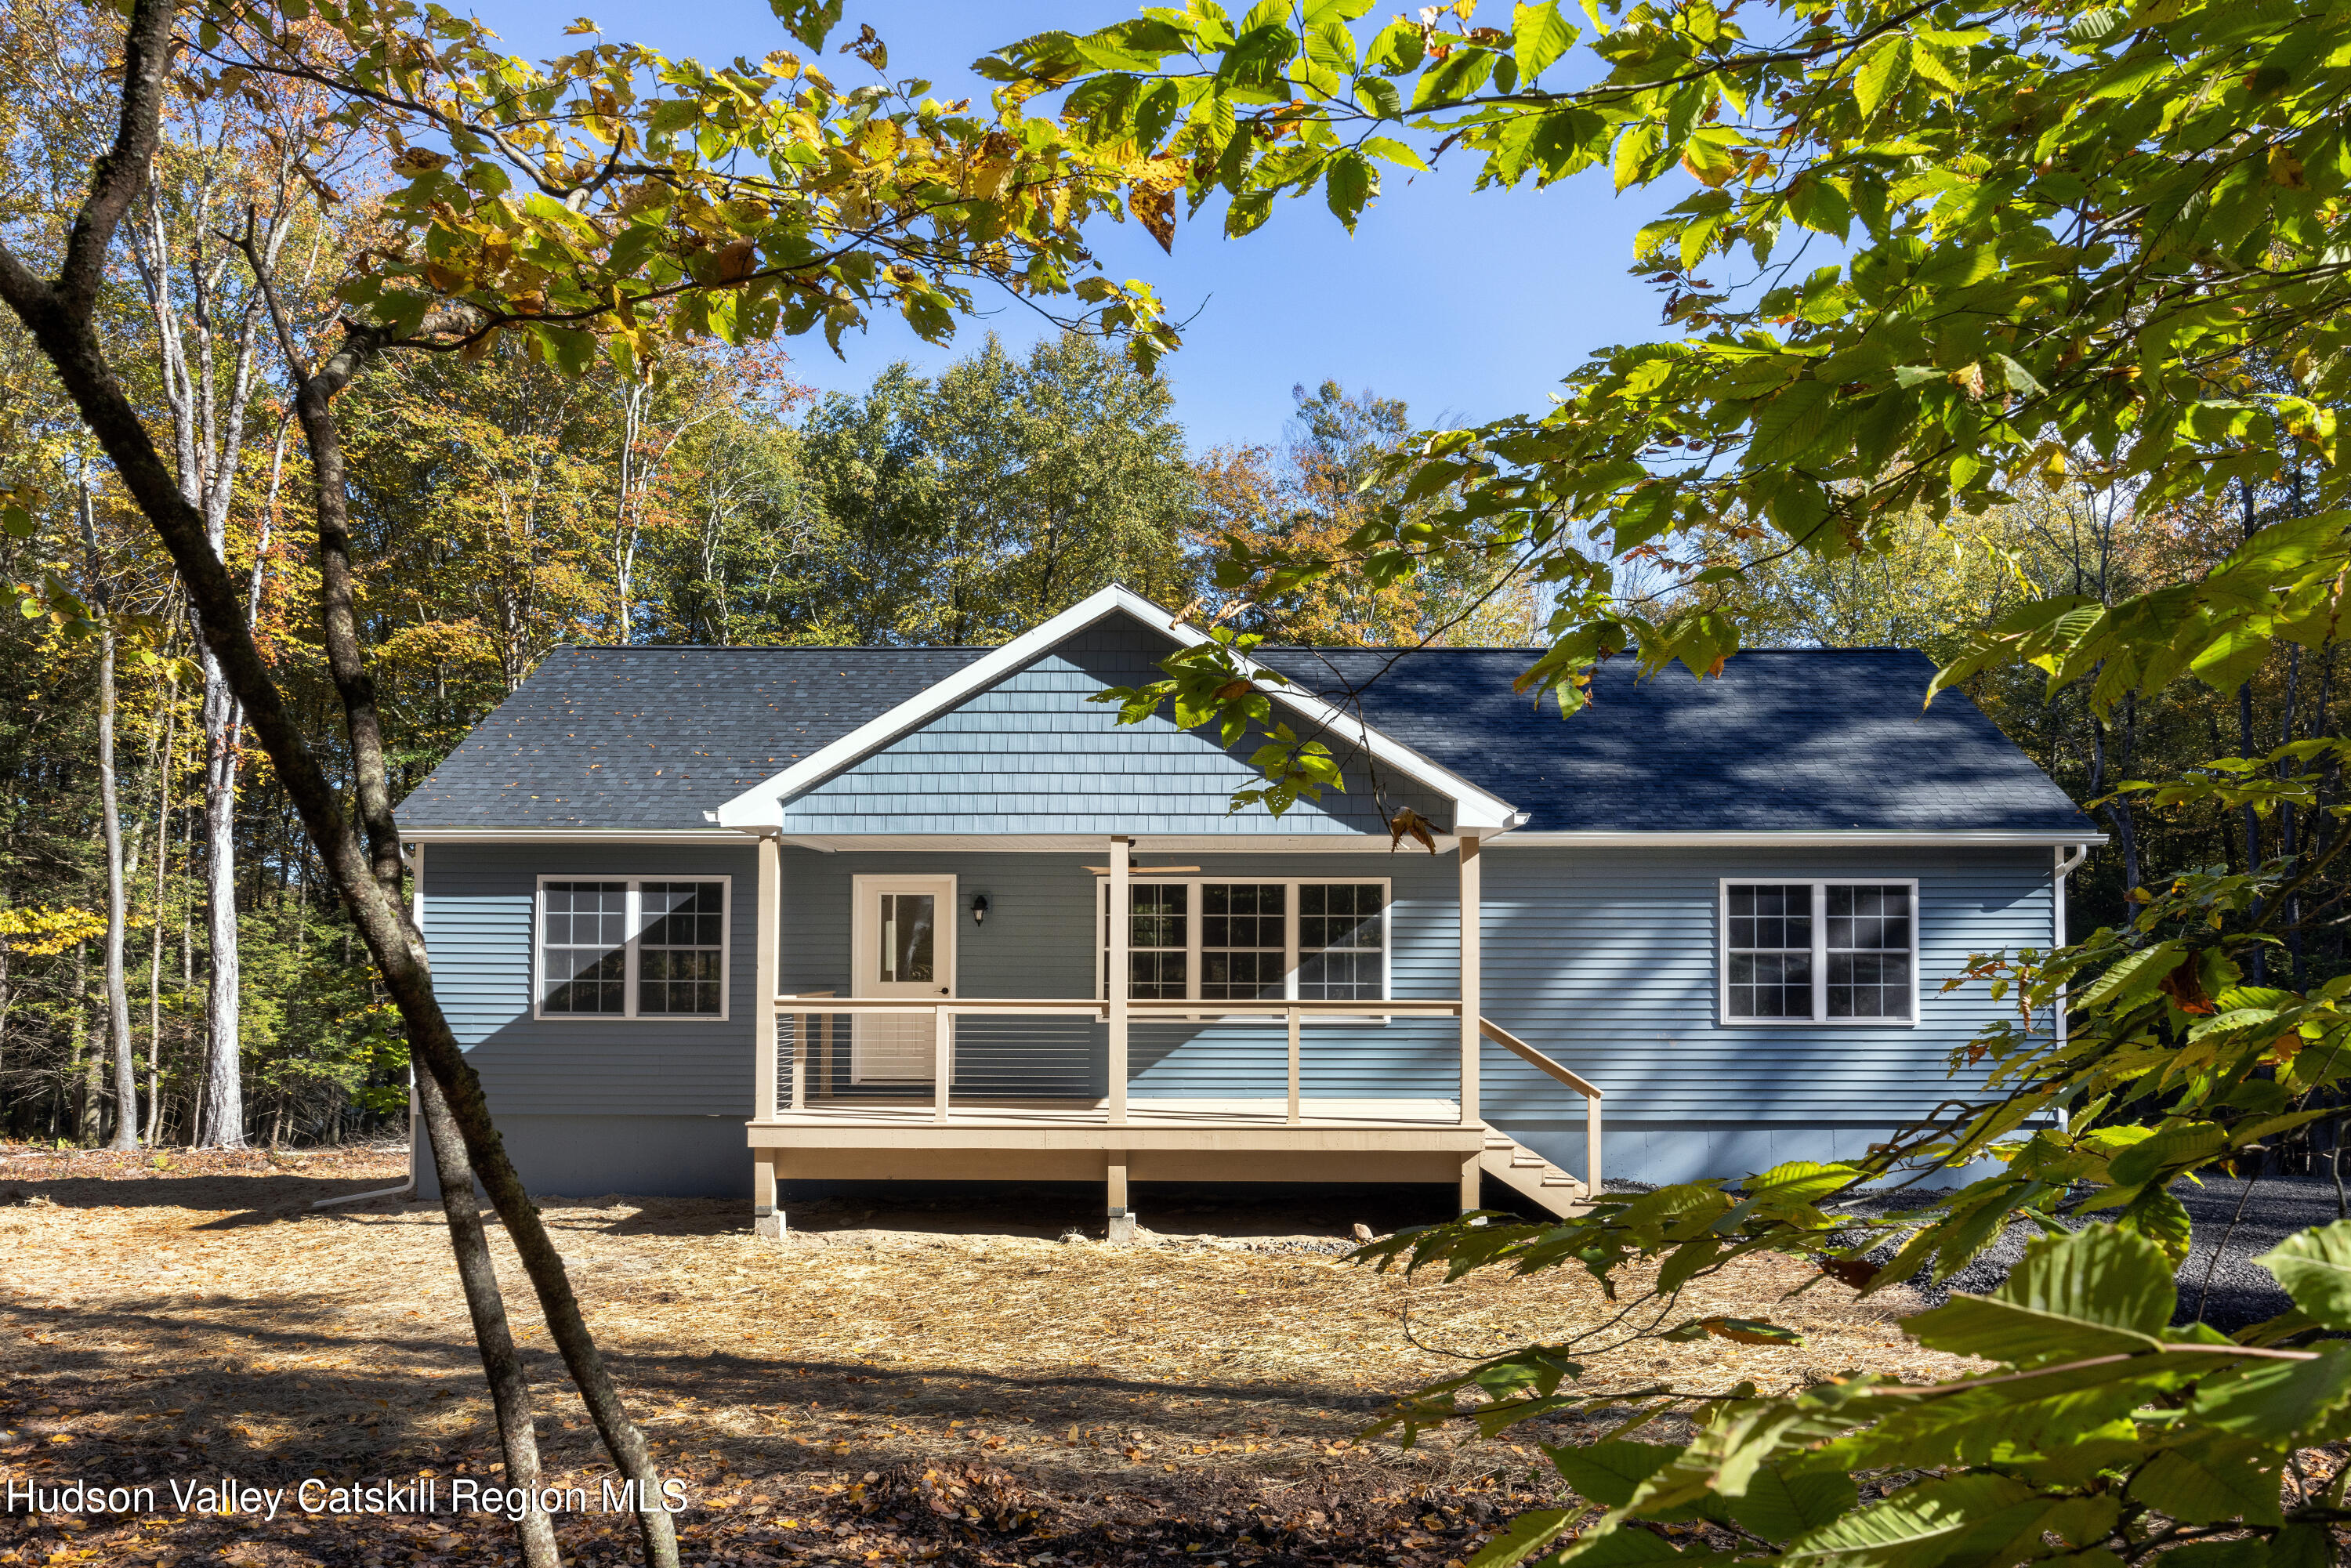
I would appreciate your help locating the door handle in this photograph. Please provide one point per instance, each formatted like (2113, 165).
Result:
(943, 991)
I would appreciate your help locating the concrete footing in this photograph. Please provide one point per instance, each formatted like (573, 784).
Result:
(768, 1224)
(1120, 1230)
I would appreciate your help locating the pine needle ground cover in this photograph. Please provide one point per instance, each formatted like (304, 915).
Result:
(891, 1384)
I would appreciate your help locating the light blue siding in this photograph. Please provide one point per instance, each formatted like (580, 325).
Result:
(477, 927)
(1606, 959)
(1032, 754)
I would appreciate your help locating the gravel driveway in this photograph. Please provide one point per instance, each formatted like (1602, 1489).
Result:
(2233, 1293)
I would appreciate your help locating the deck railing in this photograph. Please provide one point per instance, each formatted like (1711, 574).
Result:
(1031, 1039)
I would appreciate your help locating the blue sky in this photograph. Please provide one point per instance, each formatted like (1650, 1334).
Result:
(1465, 304)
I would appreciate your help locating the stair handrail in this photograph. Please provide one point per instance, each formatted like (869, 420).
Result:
(1520, 1047)
(1592, 1094)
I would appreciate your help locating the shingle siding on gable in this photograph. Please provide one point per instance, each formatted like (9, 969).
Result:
(1032, 755)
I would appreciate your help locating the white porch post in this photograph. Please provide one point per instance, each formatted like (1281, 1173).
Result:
(1114, 977)
(764, 985)
(1472, 1007)
(767, 922)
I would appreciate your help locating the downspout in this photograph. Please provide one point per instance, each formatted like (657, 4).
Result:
(2067, 860)
(406, 1190)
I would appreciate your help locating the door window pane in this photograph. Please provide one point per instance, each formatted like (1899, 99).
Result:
(907, 935)
(679, 958)
(583, 955)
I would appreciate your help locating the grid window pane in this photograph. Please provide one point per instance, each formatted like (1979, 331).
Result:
(583, 956)
(1869, 933)
(1778, 916)
(1772, 984)
(1771, 950)
(1342, 942)
(680, 957)
(1158, 930)
(1241, 940)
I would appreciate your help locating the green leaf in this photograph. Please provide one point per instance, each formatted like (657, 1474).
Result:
(2188, 1145)
(1531, 1533)
(1609, 1473)
(1791, 423)
(1541, 35)
(1778, 1506)
(2314, 1267)
(2212, 1479)
(1911, 1525)
(2277, 1401)
(1881, 74)
(2102, 1292)
(1348, 185)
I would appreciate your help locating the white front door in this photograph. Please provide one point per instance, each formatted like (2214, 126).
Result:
(902, 944)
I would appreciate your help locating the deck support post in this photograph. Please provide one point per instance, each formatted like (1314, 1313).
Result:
(767, 1219)
(1115, 974)
(1120, 1226)
(1473, 1171)
(1472, 1006)
(942, 1057)
(764, 986)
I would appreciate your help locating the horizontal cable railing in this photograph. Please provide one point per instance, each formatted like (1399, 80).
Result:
(894, 1057)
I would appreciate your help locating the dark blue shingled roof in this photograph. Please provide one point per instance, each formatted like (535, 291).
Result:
(1794, 740)
(653, 736)
(1785, 740)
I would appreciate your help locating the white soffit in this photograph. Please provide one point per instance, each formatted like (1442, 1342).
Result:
(761, 807)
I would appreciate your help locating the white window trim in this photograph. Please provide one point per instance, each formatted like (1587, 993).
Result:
(634, 922)
(1820, 887)
(1290, 955)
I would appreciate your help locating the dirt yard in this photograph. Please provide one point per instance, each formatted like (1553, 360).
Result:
(1192, 1397)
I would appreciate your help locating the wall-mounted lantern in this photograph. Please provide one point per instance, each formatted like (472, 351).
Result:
(979, 909)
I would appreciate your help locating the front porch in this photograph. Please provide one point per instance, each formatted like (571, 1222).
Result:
(1126, 1087)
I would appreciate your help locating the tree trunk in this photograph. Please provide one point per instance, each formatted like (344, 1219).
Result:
(221, 1121)
(155, 934)
(81, 1060)
(118, 997)
(509, 1385)
(58, 315)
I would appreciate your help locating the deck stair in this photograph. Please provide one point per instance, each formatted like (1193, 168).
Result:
(1531, 1176)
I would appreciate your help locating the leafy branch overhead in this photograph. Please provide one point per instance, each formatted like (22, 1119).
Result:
(615, 200)
(1918, 256)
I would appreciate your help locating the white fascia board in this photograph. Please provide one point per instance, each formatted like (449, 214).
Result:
(1096, 844)
(573, 836)
(761, 807)
(1857, 838)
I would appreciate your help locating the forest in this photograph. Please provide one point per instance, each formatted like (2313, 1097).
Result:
(503, 506)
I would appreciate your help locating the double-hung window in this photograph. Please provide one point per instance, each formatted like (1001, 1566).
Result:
(1819, 952)
(623, 948)
(1251, 941)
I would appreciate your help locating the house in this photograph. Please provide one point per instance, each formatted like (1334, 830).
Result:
(728, 920)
